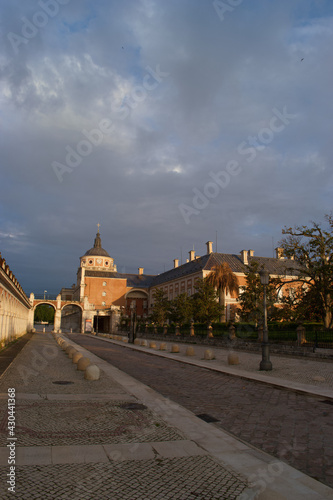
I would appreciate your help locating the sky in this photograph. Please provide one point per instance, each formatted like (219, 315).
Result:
(169, 123)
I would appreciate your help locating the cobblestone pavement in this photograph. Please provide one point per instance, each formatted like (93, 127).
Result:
(295, 427)
(93, 440)
(191, 478)
(51, 423)
(316, 372)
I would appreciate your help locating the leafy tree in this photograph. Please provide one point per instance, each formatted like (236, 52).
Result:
(301, 305)
(160, 307)
(205, 302)
(252, 295)
(312, 247)
(181, 309)
(225, 281)
(44, 312)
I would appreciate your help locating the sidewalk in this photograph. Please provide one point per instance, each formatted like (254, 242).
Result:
(314, 376)
(116, 438)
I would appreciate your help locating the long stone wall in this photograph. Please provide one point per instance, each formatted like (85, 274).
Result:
(16, 313)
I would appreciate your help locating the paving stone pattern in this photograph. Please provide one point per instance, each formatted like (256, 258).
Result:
(44, 423)
(192, 478)
(295, 427)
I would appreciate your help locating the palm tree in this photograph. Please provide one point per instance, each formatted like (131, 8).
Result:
(225, 281)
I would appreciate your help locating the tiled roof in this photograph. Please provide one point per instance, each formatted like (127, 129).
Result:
(180, 271)
(207, 263)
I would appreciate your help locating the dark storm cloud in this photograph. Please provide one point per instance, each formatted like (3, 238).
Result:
(184, 93)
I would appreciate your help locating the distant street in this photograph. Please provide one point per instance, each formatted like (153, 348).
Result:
(294, 427)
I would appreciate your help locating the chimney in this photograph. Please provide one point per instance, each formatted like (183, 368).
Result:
(279, 253)
(251, 253)
(140, 270)
(175, 263)
(192, 255)
(209, 247)
(244, 256)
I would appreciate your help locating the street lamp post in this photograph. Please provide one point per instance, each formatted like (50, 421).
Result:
(132, 330)
(45, 291)
(265, 363)
(97, 311)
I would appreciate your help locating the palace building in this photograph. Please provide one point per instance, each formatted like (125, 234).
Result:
(107, 295)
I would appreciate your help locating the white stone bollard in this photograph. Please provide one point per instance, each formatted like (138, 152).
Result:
(92, 372)
(233, 359)
(83, 363)
(175, 348)
(209, 354)
(76, 357)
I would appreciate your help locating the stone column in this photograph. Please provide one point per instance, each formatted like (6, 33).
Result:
(232, 332)
(300, 335)
(210, 332)
(192, 334)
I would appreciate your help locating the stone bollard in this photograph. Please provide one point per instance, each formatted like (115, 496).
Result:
(68, 348)
(71, 353)
(192, 334)
(83, 363)
(92, 372)
(233, 359)
(152, 345)
(175, 348)
(190, 351)
(163, 346)
(137, 341)
(43, 329)
(300, 335)
(144, 343)
(209, 354)
(76, 357)
(64, 346)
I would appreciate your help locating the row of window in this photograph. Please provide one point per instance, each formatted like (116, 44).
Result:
(99, 262)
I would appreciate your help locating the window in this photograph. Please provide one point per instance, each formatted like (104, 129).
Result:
(103, 304)
(91, 261)
(104, 294)
(104, 283)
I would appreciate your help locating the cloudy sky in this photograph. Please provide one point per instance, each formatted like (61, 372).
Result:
(166, 122)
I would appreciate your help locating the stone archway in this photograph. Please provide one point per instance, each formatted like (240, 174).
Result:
(46, 324)
(71, 318)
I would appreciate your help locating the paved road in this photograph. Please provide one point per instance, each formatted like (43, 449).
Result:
(294, 427)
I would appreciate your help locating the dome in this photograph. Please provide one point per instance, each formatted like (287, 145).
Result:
(97, 248)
